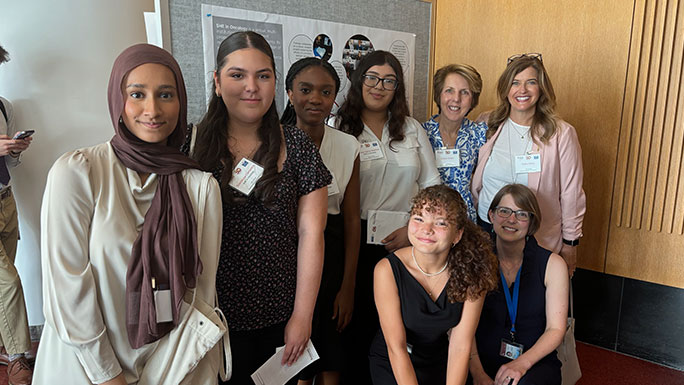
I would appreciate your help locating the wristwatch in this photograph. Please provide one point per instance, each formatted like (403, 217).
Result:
(574, 242)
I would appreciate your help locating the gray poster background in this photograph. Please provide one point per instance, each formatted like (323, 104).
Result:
(412, 16)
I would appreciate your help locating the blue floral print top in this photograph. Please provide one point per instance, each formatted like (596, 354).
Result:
(471, 136)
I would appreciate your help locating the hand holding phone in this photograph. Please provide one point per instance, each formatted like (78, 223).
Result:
(23, 134)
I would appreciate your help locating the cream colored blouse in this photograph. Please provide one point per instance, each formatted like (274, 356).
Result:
(92, 210)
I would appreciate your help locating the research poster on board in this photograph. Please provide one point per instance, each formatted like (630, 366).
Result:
(293, 38)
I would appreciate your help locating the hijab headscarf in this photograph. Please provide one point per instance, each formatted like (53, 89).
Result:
(166, 248)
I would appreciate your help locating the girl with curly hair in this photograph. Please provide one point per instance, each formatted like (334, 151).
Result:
(429, 296)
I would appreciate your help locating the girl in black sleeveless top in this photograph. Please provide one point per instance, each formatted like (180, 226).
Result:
(429, 295)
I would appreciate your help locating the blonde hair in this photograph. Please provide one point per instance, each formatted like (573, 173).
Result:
(469, 73)
(544, 122)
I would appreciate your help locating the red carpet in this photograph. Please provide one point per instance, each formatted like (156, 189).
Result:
(604, 367)
(599, 367)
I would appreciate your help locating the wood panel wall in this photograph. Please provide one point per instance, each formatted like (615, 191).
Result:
(646, 238)
(585, 45)
(618, 68)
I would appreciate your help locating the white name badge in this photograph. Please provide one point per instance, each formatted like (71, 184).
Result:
(162, 304)
(246, 175)
(332, 187)
(448, 157)
(370, 151)
(383, 223)
(527, 163)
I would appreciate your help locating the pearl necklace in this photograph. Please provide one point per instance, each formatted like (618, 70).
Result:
(413, 254)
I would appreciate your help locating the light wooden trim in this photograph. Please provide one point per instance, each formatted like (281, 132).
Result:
(649, 177)
(431, 59)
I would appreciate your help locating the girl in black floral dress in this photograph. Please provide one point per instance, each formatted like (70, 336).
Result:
(272, 247)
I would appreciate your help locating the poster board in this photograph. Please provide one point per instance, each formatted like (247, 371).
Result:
(410, 16)
(293, 38)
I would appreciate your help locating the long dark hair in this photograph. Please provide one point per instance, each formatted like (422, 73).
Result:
(212, 139)
(472, 263)
(350, 111)
(544, 122)
(289, 116)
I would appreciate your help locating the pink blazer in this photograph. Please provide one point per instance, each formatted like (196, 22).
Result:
(558, 186)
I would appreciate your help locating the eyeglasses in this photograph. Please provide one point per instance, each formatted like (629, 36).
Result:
(533, 55)
(521, 215)
(389, 84)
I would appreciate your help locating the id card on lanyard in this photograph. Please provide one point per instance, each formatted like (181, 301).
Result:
(509, 348)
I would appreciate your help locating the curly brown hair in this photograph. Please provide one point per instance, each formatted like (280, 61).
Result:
(472, 263)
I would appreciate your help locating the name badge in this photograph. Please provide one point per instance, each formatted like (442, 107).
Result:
(510, 349)
(162, 304)
(448, 157)
(370, 151)
(245, 176)
(332, 187)
(527, 163)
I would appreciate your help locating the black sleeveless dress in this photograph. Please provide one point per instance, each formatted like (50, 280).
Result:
(426, 323)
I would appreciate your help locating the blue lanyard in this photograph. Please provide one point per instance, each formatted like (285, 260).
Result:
(512, 304)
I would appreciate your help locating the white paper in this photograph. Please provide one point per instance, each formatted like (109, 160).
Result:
(273, 373)
(383, 223)
(153, 28)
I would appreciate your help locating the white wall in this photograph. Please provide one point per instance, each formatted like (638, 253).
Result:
(61, 57)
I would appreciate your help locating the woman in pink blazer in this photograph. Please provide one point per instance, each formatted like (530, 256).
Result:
(528, 144)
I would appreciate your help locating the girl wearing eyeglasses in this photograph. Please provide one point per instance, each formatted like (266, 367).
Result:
(396, 161)
(523, 321)
(528, 144)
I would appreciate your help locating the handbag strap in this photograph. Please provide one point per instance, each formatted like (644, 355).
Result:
(572, 305)
(226, 369)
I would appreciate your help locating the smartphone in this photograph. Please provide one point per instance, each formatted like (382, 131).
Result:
(23, 134)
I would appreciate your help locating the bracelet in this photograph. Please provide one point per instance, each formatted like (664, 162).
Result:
(571, 243)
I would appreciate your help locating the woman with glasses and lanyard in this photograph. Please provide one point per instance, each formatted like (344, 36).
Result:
(396, 161)
(523, 321)
(528, 144)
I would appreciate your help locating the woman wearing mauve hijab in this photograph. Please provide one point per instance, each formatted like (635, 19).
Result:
(127, 226)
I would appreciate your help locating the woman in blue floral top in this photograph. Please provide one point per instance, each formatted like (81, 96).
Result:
(455, 139)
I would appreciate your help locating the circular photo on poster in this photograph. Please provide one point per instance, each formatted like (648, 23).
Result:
(322, 47)
(356, 48)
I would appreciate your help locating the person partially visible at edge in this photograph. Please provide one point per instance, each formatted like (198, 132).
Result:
(376, 113)
(14, 329)
(312, 85)
(523, 320)
(429, 295)
(527, 143)
(455, 139)
(124, 223)
(272, 247)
